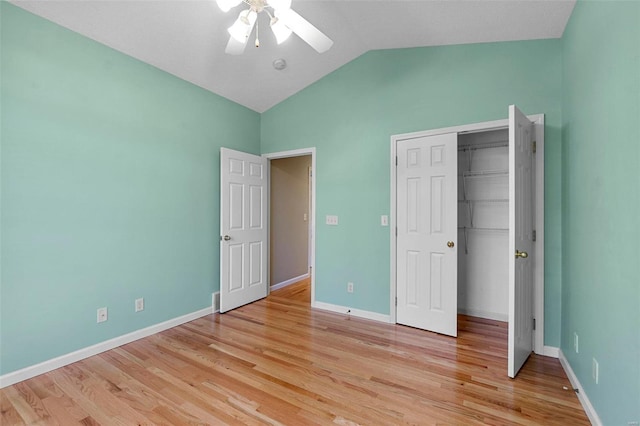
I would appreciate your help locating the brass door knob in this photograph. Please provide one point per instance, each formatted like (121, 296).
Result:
(450, 244)
(226, 238)
(521, 254)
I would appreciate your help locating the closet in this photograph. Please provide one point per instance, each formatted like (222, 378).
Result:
(466, 207)
(483, 224)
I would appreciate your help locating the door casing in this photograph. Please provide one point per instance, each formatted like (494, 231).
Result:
(538, 269)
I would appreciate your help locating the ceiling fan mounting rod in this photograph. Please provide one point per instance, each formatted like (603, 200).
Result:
(256, 5)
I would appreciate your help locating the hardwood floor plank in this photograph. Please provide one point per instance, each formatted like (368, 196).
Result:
(10, 415)
(28, 409)
(61, 411)
(279, 362)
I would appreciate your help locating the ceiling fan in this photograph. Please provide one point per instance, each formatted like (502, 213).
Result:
(282, 20)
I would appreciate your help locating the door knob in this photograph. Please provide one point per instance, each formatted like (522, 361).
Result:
(226, 238)
(521, 254)
(450, 244)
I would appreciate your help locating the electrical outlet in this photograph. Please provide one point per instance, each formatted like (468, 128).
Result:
(140, 304)
(102, 315)
(349, 287)
(595, 370)
(575, 343)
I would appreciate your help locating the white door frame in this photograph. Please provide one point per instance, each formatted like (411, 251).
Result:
(538, 269)
(310, 208)
(312, 263)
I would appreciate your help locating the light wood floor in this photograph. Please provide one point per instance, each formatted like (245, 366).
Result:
(277, 361)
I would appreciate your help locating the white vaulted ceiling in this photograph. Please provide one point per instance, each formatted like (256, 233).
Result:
(188, 38)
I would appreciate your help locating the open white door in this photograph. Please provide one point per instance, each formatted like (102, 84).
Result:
(243, 228)
(520, 240)
(427, 221)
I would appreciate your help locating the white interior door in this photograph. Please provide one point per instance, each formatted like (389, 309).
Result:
(520, 240)
(427, 221)
(243, 228)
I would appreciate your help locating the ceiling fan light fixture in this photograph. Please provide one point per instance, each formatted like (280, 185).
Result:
(280, 30)
(242, 27)
(284, 21)
(226, 5)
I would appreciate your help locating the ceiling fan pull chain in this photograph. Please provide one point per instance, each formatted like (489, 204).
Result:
(257, 28)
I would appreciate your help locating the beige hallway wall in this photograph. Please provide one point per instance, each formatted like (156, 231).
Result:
(289, 226)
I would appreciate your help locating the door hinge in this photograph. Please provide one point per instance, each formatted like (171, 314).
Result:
(535, 235)
(396, 231)
(396, 301)
(534, 323)
(396, 160)
(534, 147)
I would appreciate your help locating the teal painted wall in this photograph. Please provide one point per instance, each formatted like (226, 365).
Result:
(601, 204)
(110, 176)
(110, 190)
(349, 117)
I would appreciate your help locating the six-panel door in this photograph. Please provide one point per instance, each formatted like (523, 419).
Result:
(243, 228)
(427, 229)
(520, 342)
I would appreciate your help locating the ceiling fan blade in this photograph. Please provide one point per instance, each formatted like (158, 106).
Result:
(305, 30)
(242, 31)
(234, 47)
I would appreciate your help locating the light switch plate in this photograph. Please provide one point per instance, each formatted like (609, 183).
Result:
(384, 220)
(332, 220)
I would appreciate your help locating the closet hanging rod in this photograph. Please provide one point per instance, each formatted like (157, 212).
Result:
(469, 147)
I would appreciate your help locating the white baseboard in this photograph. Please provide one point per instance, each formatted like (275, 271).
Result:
(49, 365)
(289, 281)
(582, 396)
(551, 351)
(484, 314)
(352, 311)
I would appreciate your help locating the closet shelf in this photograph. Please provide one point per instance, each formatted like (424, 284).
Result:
(483, 190)
(476, 228)
(496, 200)
(483, 173)
(465, 230)
(497, 144)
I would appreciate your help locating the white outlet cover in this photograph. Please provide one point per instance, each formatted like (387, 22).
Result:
(139, 305)
(332, 220)
(384, 220)
(103, 315)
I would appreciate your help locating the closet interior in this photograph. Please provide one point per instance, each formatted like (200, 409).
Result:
(483, 223)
